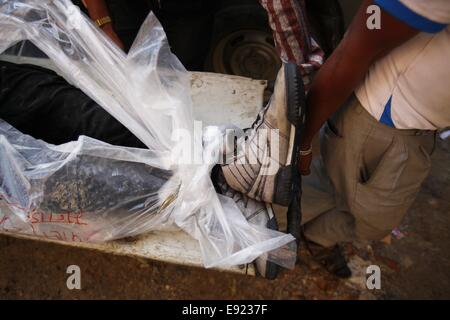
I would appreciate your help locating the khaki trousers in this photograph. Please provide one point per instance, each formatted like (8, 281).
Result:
(367, 177)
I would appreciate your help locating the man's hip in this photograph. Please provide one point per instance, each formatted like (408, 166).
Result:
(376, 170)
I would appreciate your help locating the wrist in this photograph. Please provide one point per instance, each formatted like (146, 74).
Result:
(305, 145)
(107, 28)
(306, 151)
(104, 22)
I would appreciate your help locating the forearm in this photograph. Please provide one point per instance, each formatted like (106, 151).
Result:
(99, 13)
(334, 83)
(97, 8)
(348, 65)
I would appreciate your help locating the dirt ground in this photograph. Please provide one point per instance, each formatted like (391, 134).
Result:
(416, 264)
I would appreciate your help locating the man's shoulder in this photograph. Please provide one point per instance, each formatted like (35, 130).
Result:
(429, 16)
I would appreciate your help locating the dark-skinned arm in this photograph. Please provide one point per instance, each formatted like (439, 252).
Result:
(98, 9)
(346, 68)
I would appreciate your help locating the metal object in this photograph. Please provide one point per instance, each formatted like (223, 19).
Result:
(248, 53)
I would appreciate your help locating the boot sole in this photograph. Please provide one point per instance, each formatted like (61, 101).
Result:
(272, 269)
(286, 176)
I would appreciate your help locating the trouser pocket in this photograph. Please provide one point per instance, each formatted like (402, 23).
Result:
(382, 201)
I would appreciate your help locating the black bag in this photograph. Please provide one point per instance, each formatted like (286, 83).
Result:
(42, 104)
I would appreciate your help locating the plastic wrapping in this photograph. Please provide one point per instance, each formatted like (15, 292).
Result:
(88, 190)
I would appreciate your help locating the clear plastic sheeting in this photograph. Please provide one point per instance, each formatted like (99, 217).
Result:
(88, 190)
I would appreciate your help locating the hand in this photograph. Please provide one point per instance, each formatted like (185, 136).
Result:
(304, 164)
(109, 30)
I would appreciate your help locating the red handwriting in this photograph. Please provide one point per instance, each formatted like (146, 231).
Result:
(3, 220)
(35, 216)
(58, 218)
(62, 236)
(59, 235)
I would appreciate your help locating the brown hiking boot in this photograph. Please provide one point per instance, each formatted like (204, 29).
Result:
(262, 166)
